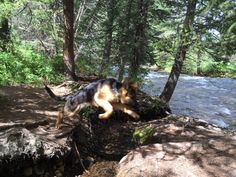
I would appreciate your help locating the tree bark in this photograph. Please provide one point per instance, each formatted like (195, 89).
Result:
(121, 70)
(4, 33)
(89, 21)
(140, 39)
(185, 38)
(199, 62)
(109, 32)
(124, 48)
(68, 49)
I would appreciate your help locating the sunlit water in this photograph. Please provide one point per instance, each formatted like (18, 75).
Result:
(210, 99)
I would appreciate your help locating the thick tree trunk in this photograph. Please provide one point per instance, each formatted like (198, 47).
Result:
(181, 52)
(68, 51)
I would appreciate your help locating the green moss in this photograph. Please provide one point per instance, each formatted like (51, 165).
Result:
(143, 134)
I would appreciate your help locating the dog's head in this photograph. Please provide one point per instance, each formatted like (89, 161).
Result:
(128, 93)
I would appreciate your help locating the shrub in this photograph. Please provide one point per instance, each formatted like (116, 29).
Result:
(24, 65)
(220, 69)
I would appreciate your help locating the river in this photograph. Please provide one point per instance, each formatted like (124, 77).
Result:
(210, 99)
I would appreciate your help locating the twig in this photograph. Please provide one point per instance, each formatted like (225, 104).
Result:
(81, 162)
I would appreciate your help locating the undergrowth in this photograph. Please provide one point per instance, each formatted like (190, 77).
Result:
(23, 65)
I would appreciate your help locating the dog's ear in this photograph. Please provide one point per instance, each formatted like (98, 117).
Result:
(125, 83)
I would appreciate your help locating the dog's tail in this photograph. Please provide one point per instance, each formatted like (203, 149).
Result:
(55, 97)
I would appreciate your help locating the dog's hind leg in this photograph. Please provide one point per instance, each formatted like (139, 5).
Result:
(64, 112)
(59, 118)
(70, 114)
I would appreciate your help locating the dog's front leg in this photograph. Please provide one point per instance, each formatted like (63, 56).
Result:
(106, 105)
(126, 109)
(108, 109)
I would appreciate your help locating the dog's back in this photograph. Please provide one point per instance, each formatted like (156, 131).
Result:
(87, 93)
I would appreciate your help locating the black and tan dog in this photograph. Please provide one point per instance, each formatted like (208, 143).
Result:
(106, 93)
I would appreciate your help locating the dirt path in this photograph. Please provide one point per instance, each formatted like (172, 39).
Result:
(31, 107)
(20, 104)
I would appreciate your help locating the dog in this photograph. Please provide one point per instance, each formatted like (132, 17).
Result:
(109, 94)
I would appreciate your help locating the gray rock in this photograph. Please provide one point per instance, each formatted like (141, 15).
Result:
(19, 142)
(20, 148)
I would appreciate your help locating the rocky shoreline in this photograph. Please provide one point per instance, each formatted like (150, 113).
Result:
(178, 146)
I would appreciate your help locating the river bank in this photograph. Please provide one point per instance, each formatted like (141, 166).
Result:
(211, 99)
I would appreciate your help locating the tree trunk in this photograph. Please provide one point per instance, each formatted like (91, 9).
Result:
(199, 62)
(109, 31)
(89, 21)
(124, 48)
(140, 39)
(4, 33)
(68, 51)
(181, 52)
(121, 70)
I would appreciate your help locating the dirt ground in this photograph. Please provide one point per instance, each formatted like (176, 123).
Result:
(21, 104)
(31, 107)
(28, 106)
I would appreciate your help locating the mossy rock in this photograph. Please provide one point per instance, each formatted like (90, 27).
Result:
(151, 107)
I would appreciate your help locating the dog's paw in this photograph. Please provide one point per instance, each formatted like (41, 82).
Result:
(57, 126)
(137, 117)
(103, 116)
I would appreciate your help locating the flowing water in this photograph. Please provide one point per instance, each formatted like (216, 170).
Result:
(210, 99)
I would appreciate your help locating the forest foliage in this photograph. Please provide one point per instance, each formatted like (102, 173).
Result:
(114, 38)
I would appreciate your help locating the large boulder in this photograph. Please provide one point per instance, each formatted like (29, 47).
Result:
(19, 143)
(188, 147)
(183, 159)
